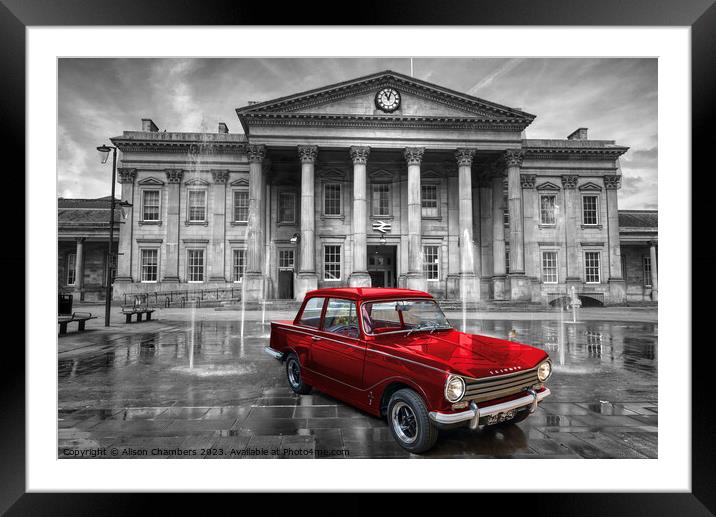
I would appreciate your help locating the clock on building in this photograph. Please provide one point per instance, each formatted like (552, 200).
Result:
(387, 99)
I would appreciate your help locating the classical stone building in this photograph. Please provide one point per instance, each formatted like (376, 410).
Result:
(82, 235)
(384, 180)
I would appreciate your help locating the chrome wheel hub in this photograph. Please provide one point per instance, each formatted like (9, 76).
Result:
(294, 373)
(404, 422)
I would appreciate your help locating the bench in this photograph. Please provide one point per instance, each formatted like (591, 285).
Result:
(131, 310)
(80, 317)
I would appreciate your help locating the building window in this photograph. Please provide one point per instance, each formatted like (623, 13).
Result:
(506, 206)
(197, 206)
(332, 199)
(195, 263)
(239, 265)
(549, 267)
(429, 200)
(150, 205)
(507, 261)
(590, 210)
(150, 265)
(431, 262)
(71, 269)
(112, 267)
(287, 207)
(547, 203)
(241, 206)
(285, 259)
(646, 267)
(624, 267)
(591, 267)
(381, 199)
(332, 262)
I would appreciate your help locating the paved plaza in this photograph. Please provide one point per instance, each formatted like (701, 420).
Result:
(196, 383)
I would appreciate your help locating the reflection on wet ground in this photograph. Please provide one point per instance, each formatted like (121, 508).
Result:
(203, 391)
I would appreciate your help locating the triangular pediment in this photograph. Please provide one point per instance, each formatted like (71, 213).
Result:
(381, 175)
(590, 186)
(241, 182)
(150, 181)
(547, 185)
(196, 182)
(332, 174)
(357, 98)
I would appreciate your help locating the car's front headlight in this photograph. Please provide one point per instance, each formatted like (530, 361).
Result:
(454, 388)
(544, 371)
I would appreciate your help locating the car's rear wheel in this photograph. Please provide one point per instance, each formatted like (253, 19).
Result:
(409, 422)
(294, 376)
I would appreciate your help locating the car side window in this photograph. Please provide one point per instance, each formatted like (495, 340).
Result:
(341, 318)
(311, 316)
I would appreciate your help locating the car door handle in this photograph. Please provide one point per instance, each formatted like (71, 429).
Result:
(315, 338)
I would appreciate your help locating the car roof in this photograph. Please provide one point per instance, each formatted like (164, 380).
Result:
(368, 293)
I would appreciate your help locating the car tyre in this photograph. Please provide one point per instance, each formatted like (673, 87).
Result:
(295, 377)
(409, 422)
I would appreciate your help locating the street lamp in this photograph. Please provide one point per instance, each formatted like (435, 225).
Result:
(104, 155)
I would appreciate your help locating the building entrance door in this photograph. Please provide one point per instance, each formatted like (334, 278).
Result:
(285, 284)
(381, 266)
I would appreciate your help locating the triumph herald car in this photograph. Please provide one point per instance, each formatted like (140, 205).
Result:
(392, 353)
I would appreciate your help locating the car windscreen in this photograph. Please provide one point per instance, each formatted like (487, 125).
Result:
(402, 315)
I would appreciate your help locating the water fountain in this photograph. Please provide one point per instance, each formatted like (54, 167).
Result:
(574, 304)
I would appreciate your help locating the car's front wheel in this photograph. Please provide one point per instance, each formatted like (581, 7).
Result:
(409, 422)
(293, 374)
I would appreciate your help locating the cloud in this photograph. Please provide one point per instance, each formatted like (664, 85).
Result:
(99, 98)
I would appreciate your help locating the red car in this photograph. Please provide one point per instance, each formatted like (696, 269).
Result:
(392, 353)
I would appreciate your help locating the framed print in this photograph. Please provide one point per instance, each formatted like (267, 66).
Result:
(456, 244)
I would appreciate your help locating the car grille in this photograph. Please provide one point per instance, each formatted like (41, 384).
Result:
(502, 386)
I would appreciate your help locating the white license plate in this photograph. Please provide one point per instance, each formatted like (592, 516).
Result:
(501, 417)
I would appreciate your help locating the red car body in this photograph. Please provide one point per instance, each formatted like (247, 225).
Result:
(365, 369)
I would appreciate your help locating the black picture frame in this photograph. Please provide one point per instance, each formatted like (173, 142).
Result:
(700, 15)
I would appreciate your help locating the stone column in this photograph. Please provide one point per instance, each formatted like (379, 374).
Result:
(654, 273)
(254, 277)
(469, 288)
(520, 287)
(307, 280)
(360, 277)
(171, 269)
(617, 285)
(453, 277)
(126, 177)
(80, 269)
(486, 232)
(415, 278)
(498, 238)
(571, 219)
(530, 214)
(217, 256)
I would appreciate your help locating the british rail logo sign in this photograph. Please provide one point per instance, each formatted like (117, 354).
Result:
(381, 226)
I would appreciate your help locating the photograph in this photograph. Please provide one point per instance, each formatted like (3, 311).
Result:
(357, 257)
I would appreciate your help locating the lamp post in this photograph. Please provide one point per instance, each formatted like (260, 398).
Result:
(104, 155)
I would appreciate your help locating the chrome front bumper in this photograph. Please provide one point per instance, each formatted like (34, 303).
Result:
(475, 413)
(273, 353)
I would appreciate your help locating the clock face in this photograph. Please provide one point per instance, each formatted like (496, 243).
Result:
(387, 99)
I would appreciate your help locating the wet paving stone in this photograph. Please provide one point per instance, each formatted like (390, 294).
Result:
(183, 390)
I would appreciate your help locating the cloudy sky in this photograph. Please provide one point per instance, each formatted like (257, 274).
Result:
(99, 98)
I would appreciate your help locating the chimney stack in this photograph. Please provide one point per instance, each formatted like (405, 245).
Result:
(579, 134)
(149, 125)
(223, 128)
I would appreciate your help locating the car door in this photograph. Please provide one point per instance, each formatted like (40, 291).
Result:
(339, 353)
(306, 328)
